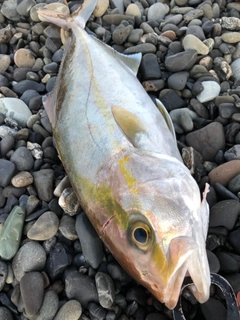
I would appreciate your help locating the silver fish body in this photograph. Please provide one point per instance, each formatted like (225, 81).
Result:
(121, 157)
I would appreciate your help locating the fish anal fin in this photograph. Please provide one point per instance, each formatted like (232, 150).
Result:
(132, 61)
(130, 124)
(166, 117)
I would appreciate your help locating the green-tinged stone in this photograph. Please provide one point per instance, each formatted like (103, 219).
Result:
(11, 233)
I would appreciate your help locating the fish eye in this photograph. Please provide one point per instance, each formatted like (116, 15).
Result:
(141, 235)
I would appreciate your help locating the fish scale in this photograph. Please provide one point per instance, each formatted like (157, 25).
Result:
(120, 153)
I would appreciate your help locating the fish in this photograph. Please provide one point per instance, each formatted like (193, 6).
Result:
(119, 150)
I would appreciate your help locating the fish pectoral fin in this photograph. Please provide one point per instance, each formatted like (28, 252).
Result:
(131, 126)
(166, 117)
(49, 104)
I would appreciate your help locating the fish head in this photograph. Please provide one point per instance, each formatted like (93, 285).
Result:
(158, 225)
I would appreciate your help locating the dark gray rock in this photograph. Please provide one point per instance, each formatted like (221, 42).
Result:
(220, 215)
(96, 311)
(32, 298)
(149, 67)
(25, 85)
(90, 242)
(234, 184)
(213, 309)
(117, 273)
(43, 180)
(207, 140)
(7, 169)
(23, 159)
(181, 61)
(3, 274)
(224, 193)
(81, 287)
(227, 263)
(233, 153)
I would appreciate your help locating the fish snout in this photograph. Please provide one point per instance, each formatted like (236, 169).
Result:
(185, 259)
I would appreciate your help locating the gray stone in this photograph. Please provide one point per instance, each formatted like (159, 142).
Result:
(149, 67)
(4, 61)
(178, 80)
(3, 274)
(90, 242)
(71, 310)
(143, 47)
(43, 180)
(105, 289)
(23, 159)
(208, 140)
(5, 313)
(15, 109)
(157, 12)
(24, 85)
(67, 227)
(9, 10)
(30, 257)
(7, 169)
(45, 227)
(81, 287)
(32, 298)
(220, 215)
(181, 61)
(232, 153)
(121, 33)
(49, 306)
(234, 184)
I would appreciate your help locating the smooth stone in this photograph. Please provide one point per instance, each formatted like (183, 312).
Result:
(81, 287)
(133, 10)
(232, 153)
(224, 193)
(143, 47)
(220, 215)
(7, 169)
(96, 311)
(3, 274)
(234, 184)
(5, 313)
(24, 58)
(63, 184)
(90, 242)
(178, 80)
(4, 62)
(171, 100)
(23, 159)
(150, 67)
(227, 263)
(226, 110)
(67, 227)
(24, 7)
(156, 12)
(116, 18)
(199, 108)
(71, 310)
(8, 9)
(181, 61)
(153, 85)
(32, 298)
(49, 306)
(24, 85)
(235, 66)
(225, 172)
(135, 35)
(43, 181)
(231, 37)
(234, 280)
(196, 31)
(30, 257)
(22, 179)
(45, 227)
(118, 273)
(121, 33)
(105, 289)
(190, 42)
(58, 260)
(234, 238)
(211, 90)
(15, 109)
(208, 140)
(213, 261)
(184, 118)
(192, 14)
(11, 233)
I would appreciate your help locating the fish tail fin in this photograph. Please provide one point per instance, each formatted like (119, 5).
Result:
(79, 17)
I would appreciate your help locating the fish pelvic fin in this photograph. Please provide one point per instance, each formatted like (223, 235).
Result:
(80, 16)
(166, 117)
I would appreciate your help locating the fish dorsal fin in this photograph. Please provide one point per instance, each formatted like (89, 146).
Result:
(83, 13)
(132, 61)
(166, 116)
(130, 125)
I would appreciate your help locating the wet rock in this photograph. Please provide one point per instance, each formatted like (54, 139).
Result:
(105, 289)
(221, 216)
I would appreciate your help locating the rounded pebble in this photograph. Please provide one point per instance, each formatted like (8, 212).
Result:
(45, 227)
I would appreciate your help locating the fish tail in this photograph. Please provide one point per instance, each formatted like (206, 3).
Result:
(79, 17)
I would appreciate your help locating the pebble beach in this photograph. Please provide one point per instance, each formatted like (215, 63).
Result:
(53, 265)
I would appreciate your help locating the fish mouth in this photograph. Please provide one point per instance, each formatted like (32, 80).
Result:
(185, 260)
